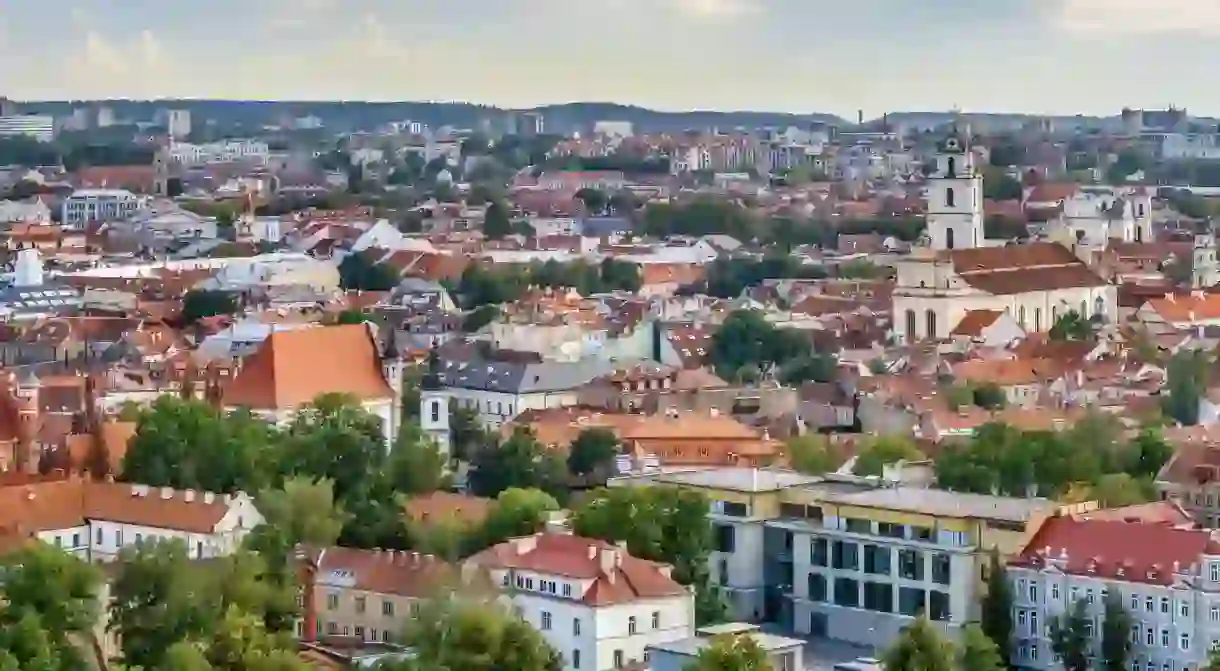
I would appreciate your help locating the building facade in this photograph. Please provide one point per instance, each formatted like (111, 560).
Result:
(40, 127)
(98, 205)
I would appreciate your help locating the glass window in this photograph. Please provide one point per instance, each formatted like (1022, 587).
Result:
(845, 555)
(876, 560)
(879, 596)
(938, 606)
(910, 564)
(940, 568)
(912, 601)
(847, 592)
(631, 627)
(576, 626)
(858, 526)
(656, 619)
(817, 587)
(726, 537)
(546, 621)
(819, 550)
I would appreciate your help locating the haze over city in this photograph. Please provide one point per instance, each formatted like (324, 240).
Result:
(1042, 56)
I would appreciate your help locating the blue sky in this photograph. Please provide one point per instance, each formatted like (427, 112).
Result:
(1063, 56)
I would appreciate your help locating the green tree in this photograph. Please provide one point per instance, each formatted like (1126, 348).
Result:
(516, 512)
(200, 303)
(521, 462)
(1115, 634)
(1070, 637)
(883, 451)
(1187, 374)
(357, 272)
(595, 201)
(996, 607)
(731, 653)
(481, 316)
(304, 511)
(861, 269)
(1113, 490)
(593, 451)
(658, 523)
(998, 185)
(496, 221)
(919, 647)
(416, 464)
(745, 338)
(989, 395)
(466, 432)
(50, 602)
(477, 636)
(812, 454)
(978, 652)
(351, 317)
(188, 444)
(1071, 326)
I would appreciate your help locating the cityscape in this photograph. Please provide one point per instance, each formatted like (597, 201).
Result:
(730, 375)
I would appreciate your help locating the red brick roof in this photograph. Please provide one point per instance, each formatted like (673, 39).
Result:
(1039, 266)
(1120, 550)
(627, 579)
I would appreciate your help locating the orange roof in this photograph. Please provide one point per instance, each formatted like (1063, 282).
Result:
(291, 368)
(63, 504)
(664, 273)
(383, 571)
(975, 321)
(1195, 307)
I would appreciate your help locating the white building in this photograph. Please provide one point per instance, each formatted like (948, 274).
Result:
(1168, 580)
(600, 607)
(29, 212)
(957, 271)
(177, 122)
(95, 520)
(1093, 217)
(98, 205)
(227, 151)
(41, 127)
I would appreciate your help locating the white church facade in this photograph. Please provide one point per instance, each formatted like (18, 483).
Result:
(958, 270)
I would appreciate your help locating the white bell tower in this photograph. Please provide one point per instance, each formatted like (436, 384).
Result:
(434, 405)
(955, 198)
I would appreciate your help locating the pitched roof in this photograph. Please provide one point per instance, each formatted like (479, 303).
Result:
(1014, 269)
(291, 368)
(380, 571)
(1186, 308)
(975, 321)
(624, 579)
(1120, 550)
(67, 503)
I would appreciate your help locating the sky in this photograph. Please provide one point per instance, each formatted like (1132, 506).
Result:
(839, 56)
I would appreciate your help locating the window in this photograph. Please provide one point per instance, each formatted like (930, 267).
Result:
(1184, 642)
(940, 568)
(385, 635)
(1037, 319)
(631, 628)
(575, 659)
(1021, 316)
(360, 604)
(118, 537)
(332, 601)
(567, 589)
(910, 564)
(1033, 592)
(1164, 638)
(952, 170)
(1135, 601)
(199, 550)
(546, 621)
(1214, 569)
(1184, 608)
(949, 236)
(1033, 623)
(879, 597)
(847, 592)
(1165, 605)
(1148, 604)
(1150, 636)
(818, 552)
(436, 411)
(656, 619)
(817, 587)
(576, 626)
(360, 632)
(618, 659)
(76, 540)
(912, 601)
(726, 537)
(1215, 614)
(876, 560)
(950, 200)
(387, 608)
(101, 541)
(911, 326)
(845, 555)
(938, 606)
(1054, 591)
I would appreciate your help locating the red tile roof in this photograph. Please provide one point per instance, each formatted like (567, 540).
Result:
(1039, 266)
(1120, 550)
(624, 579)
(975, 321)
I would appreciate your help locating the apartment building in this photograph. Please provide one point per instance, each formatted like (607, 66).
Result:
(366, 594)
(600, 607)
(849, 558)
(98, 205)
(1191, 478)
(96, 520)
(1168, 579)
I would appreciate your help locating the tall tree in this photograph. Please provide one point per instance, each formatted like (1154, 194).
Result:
(919, 647)
(996, 621)
(521, 461)
(303, 510)
(496, 222)
(1187, 381)
(977, 652)
(50, 602)
(883, 451)
(1070, 637)
(1115, 634)
(478, 636)
(200, 303)
(593, 451)
(1071, 326)
(516, 512)
(731, 653)
(416, 463)
(812, 454)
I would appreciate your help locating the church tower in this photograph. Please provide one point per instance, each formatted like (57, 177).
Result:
(434, 405)
(955, 197)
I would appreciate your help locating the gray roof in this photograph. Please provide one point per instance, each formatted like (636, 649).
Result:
(40, 299)
(691, 646)
(940, 502)
(737, 479)
(514, 377)
(598, 226)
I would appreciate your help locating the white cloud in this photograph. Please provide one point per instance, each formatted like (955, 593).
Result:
(1111, 18)
(717, 9)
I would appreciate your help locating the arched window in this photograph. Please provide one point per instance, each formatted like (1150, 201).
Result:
(950, 198)
(1021, 316)
(952, 171)
(1099, 307)
(1141, 210)
(949, 238)
(1084, 309)
(436, 411)
(1037, 319)
(1139, 233)
(931, 319)
(910, 326)
(1054, 313)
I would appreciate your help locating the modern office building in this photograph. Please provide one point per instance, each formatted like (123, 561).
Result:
(40, 127)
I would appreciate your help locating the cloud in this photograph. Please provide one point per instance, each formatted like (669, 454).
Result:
(1118, 18)
(716, 9)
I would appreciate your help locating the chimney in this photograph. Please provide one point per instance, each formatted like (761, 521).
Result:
(188, 495)
(167, 493)
(609, 560)
(209, 497)
(415, 559)
(592, 552)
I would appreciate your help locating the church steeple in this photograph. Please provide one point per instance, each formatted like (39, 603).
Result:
(434, 403)
(955, 196)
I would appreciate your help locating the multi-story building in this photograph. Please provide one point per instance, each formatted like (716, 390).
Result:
(1167, 577)
(367, 594)
(600, 607)
(98, 205)
(228, 151)
(1191, 478)
(40, 127)
(849, 558)
(177, 122)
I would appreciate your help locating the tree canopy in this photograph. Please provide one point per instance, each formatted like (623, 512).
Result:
(731, 653)
(200, 303)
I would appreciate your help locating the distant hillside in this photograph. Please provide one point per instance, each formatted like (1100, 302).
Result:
(344, 115)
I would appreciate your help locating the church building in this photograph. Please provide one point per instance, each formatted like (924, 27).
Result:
(957, 270)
